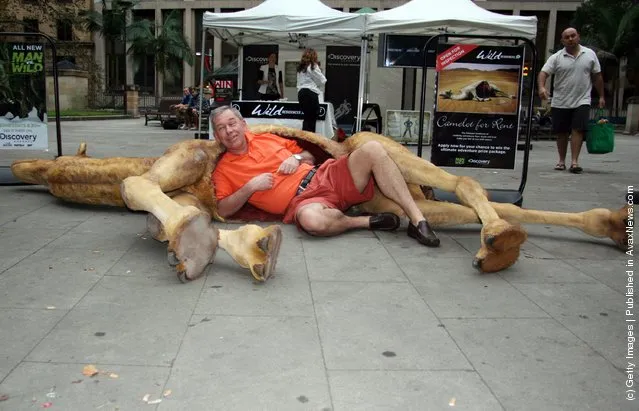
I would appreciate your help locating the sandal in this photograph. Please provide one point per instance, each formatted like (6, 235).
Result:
(576, 169)
(560, 167)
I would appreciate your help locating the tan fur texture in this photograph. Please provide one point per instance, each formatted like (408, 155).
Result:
(186, 167)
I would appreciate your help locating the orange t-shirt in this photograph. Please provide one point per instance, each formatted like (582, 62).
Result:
(266, 152)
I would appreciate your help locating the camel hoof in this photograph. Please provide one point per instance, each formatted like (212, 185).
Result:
(500, 248)
(172, 258)
(194, 246)
(270, 246)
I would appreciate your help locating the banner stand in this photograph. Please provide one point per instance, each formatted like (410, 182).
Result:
(510, 196)
(6, 176)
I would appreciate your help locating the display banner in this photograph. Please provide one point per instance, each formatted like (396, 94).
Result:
(275, 109)
(223, 90)
(255, 56)
(342, 85)
(403, 126)
(23, 110)
(476, 117)
(405, 51)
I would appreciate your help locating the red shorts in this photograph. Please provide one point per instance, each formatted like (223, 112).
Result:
(333, 186)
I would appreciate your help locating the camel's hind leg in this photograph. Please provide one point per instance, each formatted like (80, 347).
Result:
(251, 246)
(496, 233)
(490, 258)
(598, 222)
(189, 230)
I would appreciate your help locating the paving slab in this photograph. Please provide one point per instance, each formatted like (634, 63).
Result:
(63, 386)
(537, 364)
(350, 314)
(411, 390)
(366, 320)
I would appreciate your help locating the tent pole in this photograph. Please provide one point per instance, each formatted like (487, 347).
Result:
(202, 57)
(362, 74)
(240, 69)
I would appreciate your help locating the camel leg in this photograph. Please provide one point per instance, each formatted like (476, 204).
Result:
(251, 246)
(598, 222)
(191, 235)
(496, 233)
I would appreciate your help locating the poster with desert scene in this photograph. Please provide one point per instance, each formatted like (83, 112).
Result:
(478, 88)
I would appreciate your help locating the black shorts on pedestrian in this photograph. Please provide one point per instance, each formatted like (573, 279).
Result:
(564, 120)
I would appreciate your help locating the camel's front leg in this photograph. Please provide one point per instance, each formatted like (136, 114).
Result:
(496, 233)
(191, 235)
(251, 246)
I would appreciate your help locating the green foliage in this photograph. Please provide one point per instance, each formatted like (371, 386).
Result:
(165, 42)
(112, 22)
(611, 26)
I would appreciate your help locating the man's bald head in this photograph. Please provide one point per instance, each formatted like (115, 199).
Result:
(570, 38)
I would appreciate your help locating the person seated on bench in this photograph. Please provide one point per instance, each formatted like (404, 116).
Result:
(194, 110)
(180, 109)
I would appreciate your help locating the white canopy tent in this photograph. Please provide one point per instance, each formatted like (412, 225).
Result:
(310, 23)
(303, 23)
(431, 17)
(292, 23)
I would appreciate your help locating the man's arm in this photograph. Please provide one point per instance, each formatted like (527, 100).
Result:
(541, 85)
(597, 79)
(231, 204)
(547, 70)
(290, 165)
(307, 157)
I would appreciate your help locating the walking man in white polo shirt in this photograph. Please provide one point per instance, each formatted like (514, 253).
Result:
(575, 68)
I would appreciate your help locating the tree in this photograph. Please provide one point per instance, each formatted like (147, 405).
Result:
(112, 24)
(165, 43)
(49, 14)
(612, 29)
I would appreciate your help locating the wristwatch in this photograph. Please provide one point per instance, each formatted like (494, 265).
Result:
(298, 157)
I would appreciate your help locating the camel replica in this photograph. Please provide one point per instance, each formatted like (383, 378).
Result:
(176, 190)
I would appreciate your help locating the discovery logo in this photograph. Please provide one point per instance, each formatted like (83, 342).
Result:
(18, 137)
(260, 60)
(344, 58)
(481, 162)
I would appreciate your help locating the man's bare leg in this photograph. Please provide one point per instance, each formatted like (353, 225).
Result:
(319, 220)
(372, 159)
(576, 141)
(562, 147)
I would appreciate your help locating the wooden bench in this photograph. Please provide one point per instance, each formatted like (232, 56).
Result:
(163, 112)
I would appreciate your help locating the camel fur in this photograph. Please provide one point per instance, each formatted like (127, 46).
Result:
(176, 190)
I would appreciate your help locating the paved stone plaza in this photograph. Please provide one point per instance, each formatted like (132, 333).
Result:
(363, 321)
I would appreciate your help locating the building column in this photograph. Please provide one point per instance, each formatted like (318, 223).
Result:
(217, 47)
(100, 57)
(189, 31)
(516, 12)
(159, 82)
(550, 37)
(127, 58)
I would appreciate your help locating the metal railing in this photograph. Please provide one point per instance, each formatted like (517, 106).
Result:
(107, 100)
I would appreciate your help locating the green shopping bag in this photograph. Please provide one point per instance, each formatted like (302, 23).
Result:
(600, 137)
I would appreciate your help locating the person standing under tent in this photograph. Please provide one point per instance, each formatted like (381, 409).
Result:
(310, 83)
